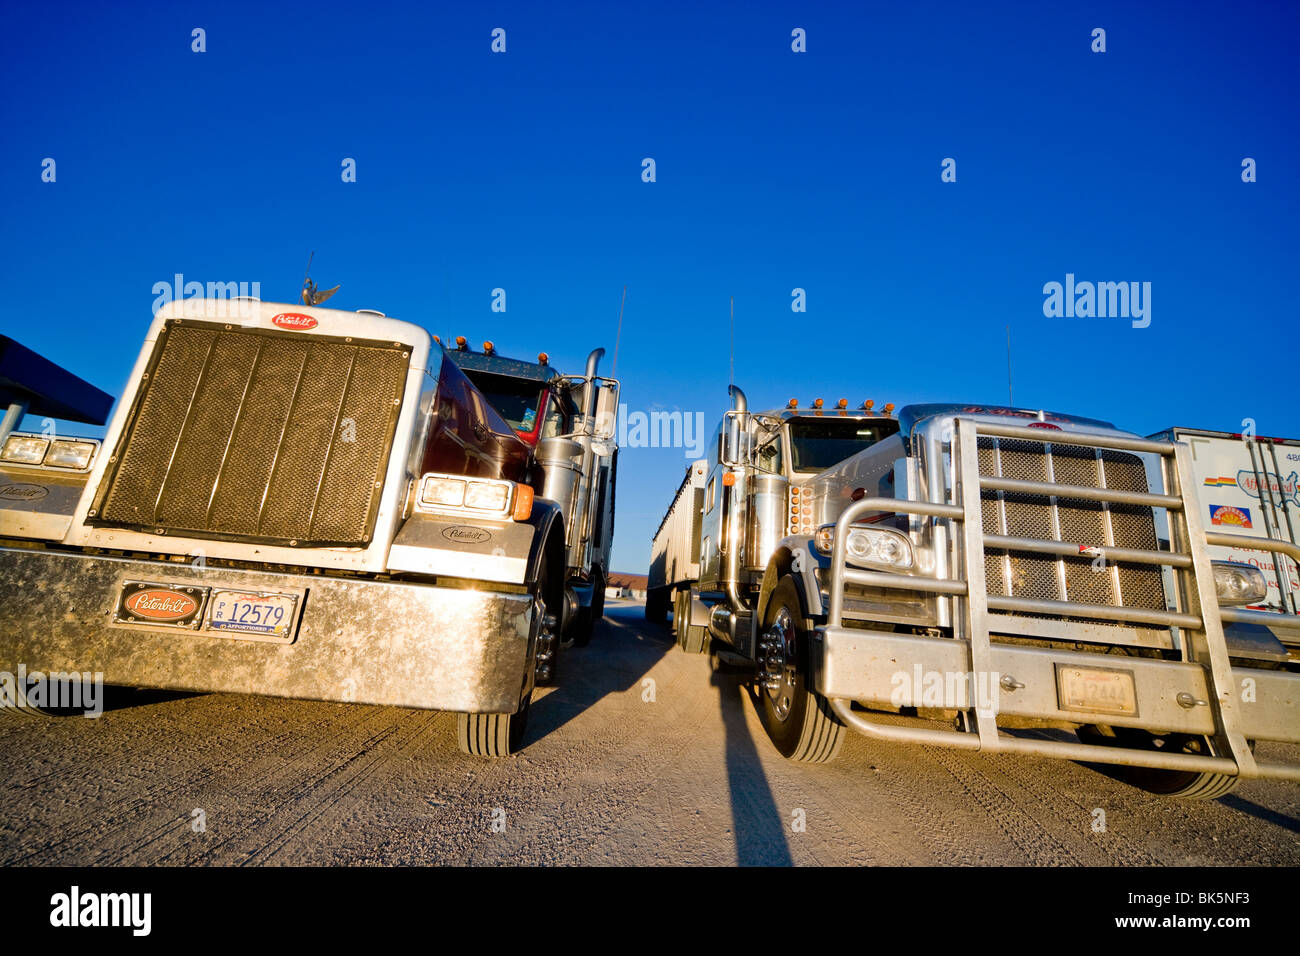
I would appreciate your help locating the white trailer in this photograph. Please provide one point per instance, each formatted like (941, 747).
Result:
(1250, 486)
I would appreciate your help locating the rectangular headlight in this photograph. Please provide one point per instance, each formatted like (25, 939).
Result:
(25, 449)
(70, 454)
(487, 497)
(1238, 583)
(447, 492)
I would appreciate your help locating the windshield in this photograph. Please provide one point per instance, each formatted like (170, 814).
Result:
(516, 399)
(818, 443)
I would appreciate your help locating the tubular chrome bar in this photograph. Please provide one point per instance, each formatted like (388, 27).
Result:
(1087, 753)
(839, 552)
(1052, 437)
(1069, 549)
(1259, 544)
(1051, 490)
(1241, 615)
(885, 579)
(1138, 615)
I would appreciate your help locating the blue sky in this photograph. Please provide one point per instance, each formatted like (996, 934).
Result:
(775, 170)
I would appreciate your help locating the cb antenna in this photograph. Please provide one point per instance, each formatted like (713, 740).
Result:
(733, 341)
(619, 334)
(1010, 397)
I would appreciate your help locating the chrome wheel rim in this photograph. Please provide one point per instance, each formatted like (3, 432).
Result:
(778, 674)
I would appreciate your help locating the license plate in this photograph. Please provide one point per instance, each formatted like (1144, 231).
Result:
(1096, 690)
(265, 614)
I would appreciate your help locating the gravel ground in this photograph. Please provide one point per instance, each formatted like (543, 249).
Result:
(643, 755)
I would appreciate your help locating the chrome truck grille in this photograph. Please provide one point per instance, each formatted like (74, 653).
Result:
(257, 435)
(1050, 577)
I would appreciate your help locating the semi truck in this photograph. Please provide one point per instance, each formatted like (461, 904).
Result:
(313, 503)
(984, 578)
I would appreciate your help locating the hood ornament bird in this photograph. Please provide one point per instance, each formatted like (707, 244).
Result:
(310, 294)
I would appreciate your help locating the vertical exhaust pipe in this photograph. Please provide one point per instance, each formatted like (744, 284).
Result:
(738, 402)
(589, 404)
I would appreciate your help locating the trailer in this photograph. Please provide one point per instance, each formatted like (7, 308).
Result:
(1249, 487)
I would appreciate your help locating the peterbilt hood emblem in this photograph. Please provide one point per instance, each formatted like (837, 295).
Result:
(294, 321)
(22, 492)
(161, 604)
(466, 534)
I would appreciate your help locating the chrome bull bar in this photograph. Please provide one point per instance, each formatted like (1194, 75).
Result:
(1197, 612)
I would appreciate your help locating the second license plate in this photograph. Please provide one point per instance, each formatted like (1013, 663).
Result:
(266, 613)
(1097, 690)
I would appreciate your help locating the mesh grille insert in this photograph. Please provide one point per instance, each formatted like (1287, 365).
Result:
(1052, 578)
(256, 435)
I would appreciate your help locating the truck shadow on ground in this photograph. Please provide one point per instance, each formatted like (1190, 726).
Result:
(589, 674)
(756, 819)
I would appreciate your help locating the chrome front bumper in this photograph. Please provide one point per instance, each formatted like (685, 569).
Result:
(868, 666)
(356, 640)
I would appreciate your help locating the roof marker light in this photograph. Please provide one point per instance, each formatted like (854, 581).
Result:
(489, 348)
(817, 403)
(868, 405)
(460, 342)
(542, 358)
(794, 403)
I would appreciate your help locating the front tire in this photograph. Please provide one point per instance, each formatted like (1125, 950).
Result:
(798, 720)
(1187, 784)
(493, 735)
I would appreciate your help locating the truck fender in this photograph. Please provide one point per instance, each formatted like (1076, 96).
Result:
(795, 556)
(495, 550)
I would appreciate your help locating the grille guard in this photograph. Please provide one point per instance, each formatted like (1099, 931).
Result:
(1197, 613)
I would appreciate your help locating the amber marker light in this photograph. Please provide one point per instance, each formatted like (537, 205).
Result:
(523, 503)
(729, 479)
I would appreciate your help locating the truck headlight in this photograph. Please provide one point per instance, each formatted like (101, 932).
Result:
(447, 492)
(70, 454)
(1238, 583)
(868, 546)
(25, 449)
(486, 497)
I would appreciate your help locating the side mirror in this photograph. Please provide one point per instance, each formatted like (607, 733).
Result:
(606, 425)
(735, 439)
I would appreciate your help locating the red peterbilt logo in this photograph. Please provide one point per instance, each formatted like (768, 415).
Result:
(161, 604)
(294, 321)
